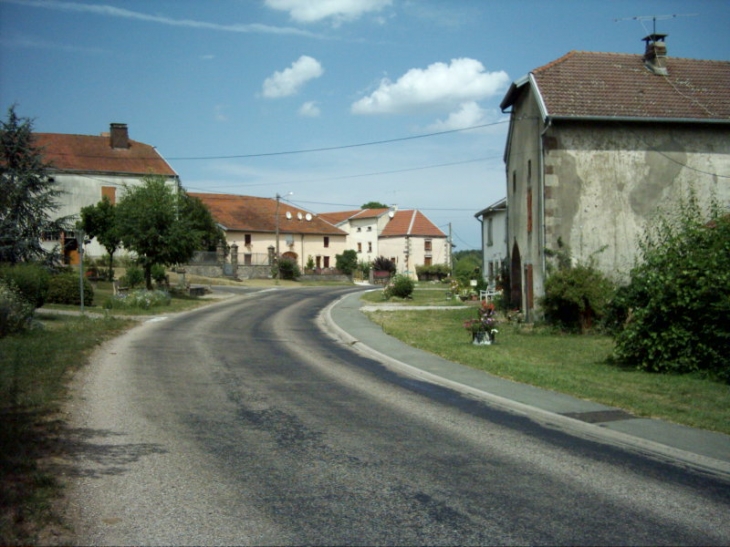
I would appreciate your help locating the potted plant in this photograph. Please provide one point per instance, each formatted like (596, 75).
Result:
(483, 328)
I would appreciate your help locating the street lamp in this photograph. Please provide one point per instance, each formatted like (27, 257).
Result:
(278, 197)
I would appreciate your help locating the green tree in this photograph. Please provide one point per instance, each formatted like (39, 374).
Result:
(152, 226)
(202, 220)
(374, 205)
(28, 197)
(672, 317)
(100, 221)
(346, 262)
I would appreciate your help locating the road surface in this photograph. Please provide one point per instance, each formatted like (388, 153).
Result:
(245, 423)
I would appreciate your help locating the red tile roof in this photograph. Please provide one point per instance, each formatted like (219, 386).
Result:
(254, 214)
(614, 85)
(94, 154)
(411, 223)
(341, 216)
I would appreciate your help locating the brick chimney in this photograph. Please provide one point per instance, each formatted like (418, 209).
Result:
(119, 136)
(655, 54)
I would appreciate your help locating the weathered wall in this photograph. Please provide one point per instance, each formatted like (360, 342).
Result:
(604, 182)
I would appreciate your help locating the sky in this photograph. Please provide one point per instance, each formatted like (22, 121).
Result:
(327, 103)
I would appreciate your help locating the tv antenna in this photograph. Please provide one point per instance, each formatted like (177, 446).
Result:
(654, 19)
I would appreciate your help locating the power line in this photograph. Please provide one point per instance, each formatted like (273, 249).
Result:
(341, 147)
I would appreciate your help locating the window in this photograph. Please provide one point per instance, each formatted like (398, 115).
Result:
(514, 182)
(326, 261)
(490, 236)
(370, 228)
(427, 261)
(427, 245)
(247, 239)
(109, 192)
(359, 247)
(370, 246)
(326, 242)
(359, 229)
(529, 210)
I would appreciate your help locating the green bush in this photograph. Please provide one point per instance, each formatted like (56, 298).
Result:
(134, 277)
(382, 264)
(576, 297)
(346, 262)
(672, 317)
(15, 310)
(30, 279)
(433, 272)
(401, 286)
(159, 274)
(289, 269)
(64, 289)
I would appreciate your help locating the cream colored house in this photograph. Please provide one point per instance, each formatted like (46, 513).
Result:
(86, 167)
(258, 226)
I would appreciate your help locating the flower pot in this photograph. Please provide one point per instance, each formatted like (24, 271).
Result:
(482, 338)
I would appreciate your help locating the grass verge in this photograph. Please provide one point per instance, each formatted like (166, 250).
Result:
(578, 365)
(36, 366)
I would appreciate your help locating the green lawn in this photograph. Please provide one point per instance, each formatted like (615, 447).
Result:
(579, 365)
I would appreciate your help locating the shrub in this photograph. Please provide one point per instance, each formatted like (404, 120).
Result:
(576, 297)
(139, 299)
(159, 274)
(15, 310)
(401, 286)
(134, 277)
(29, 279)
(289, 269)
(382, 264)
(64, 289)
(434, 271)
(672, 317)
(346, 262)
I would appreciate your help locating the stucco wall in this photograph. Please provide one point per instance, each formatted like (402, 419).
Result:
(604, 182)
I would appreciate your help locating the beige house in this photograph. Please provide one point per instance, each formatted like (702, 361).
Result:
(597, 142)
(87, 167)
(494, 241)
(408, 237)
(260, 226)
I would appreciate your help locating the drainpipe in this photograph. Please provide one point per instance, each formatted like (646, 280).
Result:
(541, 182)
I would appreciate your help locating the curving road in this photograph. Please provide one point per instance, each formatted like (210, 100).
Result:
(245, 423)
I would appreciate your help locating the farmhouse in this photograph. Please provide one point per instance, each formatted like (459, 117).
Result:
(597, 143)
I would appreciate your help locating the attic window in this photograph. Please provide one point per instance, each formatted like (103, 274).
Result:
(359, 229)
(370, 228)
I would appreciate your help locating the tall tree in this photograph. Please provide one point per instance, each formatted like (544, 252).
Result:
(152, 226)
(374, 205)
(202, 220)
(100, 221)
(28, 197)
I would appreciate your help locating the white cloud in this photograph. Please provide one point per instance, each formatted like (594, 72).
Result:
(441, 86)
(310, 11)
(290, 80)
(469, 114)
(309, 110)
(111, 11)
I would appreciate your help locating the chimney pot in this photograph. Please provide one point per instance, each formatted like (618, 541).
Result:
(118, 135)
(655, 54)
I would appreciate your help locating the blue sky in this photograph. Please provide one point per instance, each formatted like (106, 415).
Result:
(226, 89)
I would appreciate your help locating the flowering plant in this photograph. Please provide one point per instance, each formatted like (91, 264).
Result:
(486, 322)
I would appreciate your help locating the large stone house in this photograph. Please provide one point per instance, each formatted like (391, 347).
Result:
(87, 167)
(407, 237)
(494, 241)
(261, 226)
(597, 142)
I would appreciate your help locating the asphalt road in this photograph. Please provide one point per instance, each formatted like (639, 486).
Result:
(244, 423)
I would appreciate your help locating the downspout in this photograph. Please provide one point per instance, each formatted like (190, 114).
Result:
(541, 182)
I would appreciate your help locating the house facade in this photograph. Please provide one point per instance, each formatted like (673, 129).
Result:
(597, 143)
(259, 226)
(406, 237)
(86, 168)
(494, 241)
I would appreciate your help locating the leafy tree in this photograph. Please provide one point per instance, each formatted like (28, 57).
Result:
(374, 205)
(152, 226)
(346, 262)
(100, 221)
(28, 197)
(202, 220)
(672, 317)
